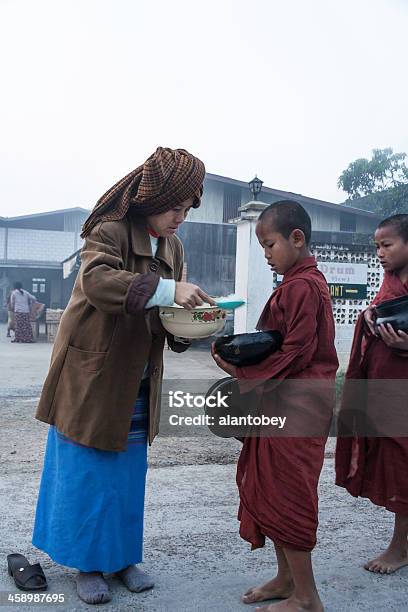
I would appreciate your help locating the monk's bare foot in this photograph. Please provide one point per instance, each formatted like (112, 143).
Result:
(294, 604)
(277, 588)
(388, 562)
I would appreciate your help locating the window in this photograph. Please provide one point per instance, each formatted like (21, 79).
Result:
(38, 285)
(347, 222)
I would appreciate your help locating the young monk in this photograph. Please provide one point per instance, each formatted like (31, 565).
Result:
(377, 467)
(277, 477)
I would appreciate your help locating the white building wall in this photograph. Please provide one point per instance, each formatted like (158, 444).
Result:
(41, 245)
(211, 209)
(260, 281)
(74, 221)
(325, 219)
(254, 280)
(241, 274)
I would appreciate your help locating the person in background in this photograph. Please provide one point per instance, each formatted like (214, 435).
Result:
(21, 302)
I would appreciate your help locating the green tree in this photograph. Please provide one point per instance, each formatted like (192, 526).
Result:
(380, 183)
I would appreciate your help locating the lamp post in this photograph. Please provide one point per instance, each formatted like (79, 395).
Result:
(255, 186)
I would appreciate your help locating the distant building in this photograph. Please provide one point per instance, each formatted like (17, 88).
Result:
(223, 196)
(32, 249)
(42, 250)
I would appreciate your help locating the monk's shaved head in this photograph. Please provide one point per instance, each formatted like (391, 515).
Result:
(286, 216)
(399, 223)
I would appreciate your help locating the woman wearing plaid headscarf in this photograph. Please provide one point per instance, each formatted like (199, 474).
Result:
(101, 397)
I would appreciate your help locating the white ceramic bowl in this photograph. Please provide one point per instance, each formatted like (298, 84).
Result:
(201, 322)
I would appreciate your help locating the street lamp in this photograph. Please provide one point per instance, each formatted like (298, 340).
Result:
(255, 186)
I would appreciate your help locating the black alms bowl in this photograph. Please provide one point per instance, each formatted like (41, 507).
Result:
(394, 312)
(248, 349)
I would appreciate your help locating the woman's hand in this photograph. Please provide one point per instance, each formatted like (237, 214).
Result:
(369, 318)
(393, 339)
(224, 365)
(189, 296)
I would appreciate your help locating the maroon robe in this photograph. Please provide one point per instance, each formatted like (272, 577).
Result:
(376, 467)
(277, 475)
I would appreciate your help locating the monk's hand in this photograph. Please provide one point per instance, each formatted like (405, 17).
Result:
(369, 318)
(393, 339)
(189, 296)
(224, 365)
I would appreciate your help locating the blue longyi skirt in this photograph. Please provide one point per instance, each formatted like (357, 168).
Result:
(91, 502)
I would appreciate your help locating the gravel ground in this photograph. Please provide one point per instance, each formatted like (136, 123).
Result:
(192, 546)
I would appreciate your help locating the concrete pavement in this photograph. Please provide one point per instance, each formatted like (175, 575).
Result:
(192, 546)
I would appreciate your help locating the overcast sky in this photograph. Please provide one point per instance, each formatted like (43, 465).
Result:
(290, 90)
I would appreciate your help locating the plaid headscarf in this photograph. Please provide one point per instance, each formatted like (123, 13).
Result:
(167, 178)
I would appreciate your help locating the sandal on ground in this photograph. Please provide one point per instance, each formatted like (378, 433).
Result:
(27, 577)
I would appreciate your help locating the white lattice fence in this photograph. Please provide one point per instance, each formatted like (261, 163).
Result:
(346, 311)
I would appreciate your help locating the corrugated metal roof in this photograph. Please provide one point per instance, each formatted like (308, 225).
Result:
(44, 214)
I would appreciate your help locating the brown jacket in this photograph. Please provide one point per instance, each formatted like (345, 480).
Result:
(106, 337)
